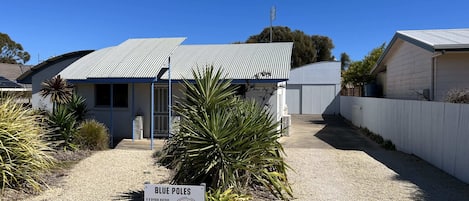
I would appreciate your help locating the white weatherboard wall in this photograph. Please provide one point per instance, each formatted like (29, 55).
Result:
(435, 131)
(314, 89)
(408, 72)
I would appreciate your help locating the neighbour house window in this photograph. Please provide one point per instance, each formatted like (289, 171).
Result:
(103, 95)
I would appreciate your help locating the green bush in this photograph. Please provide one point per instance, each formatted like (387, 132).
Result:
(227, 195)
(224, 141)
(92, 135)
(24, 155)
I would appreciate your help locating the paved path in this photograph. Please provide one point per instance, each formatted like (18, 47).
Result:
(333, 161)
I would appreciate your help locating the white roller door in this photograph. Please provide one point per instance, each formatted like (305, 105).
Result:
(316, 99)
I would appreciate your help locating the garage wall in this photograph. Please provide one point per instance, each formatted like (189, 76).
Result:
(314, 89)
(313, 99)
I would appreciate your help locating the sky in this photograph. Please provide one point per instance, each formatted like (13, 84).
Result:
(50, 28)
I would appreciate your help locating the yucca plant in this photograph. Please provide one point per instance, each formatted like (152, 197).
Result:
(224, 141)
(77, 105)
(92, 135)
(24, 155)
(63, 123)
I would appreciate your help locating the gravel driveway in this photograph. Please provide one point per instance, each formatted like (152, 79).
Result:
(331, 161)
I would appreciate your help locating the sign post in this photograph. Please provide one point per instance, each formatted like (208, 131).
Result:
(164, 192)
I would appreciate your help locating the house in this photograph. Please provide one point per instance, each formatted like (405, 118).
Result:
(8, 83)
(140, 77)
(314, 89)
(44, 71)
(424, 64)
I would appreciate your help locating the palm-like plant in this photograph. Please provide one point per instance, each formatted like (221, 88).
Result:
(224, 141)
(59, 90)
(77, 106)
(64, 124)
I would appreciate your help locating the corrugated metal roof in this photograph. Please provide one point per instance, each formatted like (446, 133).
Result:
(238, 61)
(134, 58)
(430, 40)
(440, 38)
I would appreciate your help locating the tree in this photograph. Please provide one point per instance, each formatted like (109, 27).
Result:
(323, 46)
(358, 74)
(344, 60)
(305, 47)
(59, 90)
(12, 52)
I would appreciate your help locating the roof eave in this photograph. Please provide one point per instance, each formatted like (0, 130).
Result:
(377, 68)
(25, 78)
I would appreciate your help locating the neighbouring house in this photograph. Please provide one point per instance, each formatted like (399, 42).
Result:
(314, 89)
(424, 64)
(44, 71)
(139, 78)
(8, 83)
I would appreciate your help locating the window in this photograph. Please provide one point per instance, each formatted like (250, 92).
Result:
(103, 94)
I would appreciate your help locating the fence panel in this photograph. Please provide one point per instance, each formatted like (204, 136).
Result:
(435, 131)
(461, 166)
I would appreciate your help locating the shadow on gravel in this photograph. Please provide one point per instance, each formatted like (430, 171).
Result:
(131, 196)
(433, 183)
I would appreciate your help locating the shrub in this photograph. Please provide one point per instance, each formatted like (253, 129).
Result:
(458, 96)
(63, 123)
(92, 135)
(24, 155)
(227, 195)
(223, 141)
(387, 144)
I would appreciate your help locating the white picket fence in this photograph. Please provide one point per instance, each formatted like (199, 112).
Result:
(435, 131)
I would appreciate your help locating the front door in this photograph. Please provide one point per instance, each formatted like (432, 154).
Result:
(161, 111)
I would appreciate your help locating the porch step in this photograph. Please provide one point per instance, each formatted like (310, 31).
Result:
(140, 144)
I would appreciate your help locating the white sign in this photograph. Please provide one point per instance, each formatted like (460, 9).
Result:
(163, 192)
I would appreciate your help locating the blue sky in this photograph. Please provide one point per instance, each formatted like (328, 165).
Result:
(51, 27)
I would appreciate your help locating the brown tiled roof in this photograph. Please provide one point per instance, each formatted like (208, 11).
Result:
(9, 73)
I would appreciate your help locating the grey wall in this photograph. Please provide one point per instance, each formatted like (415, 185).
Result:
(435, 131)
(314, 89)
(45, 73)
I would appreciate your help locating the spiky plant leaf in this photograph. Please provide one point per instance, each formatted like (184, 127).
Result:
(224, 141)
(24, 155)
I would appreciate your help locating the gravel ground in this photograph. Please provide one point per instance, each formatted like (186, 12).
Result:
(108, 175)
(344, 175)
(330, 161)
(333, 161)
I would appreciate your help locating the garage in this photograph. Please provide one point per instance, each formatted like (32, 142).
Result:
(314, 89)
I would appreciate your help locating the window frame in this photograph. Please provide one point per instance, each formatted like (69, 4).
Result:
(120, 94)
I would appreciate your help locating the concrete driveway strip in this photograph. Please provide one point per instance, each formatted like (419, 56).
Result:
(333, 161)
